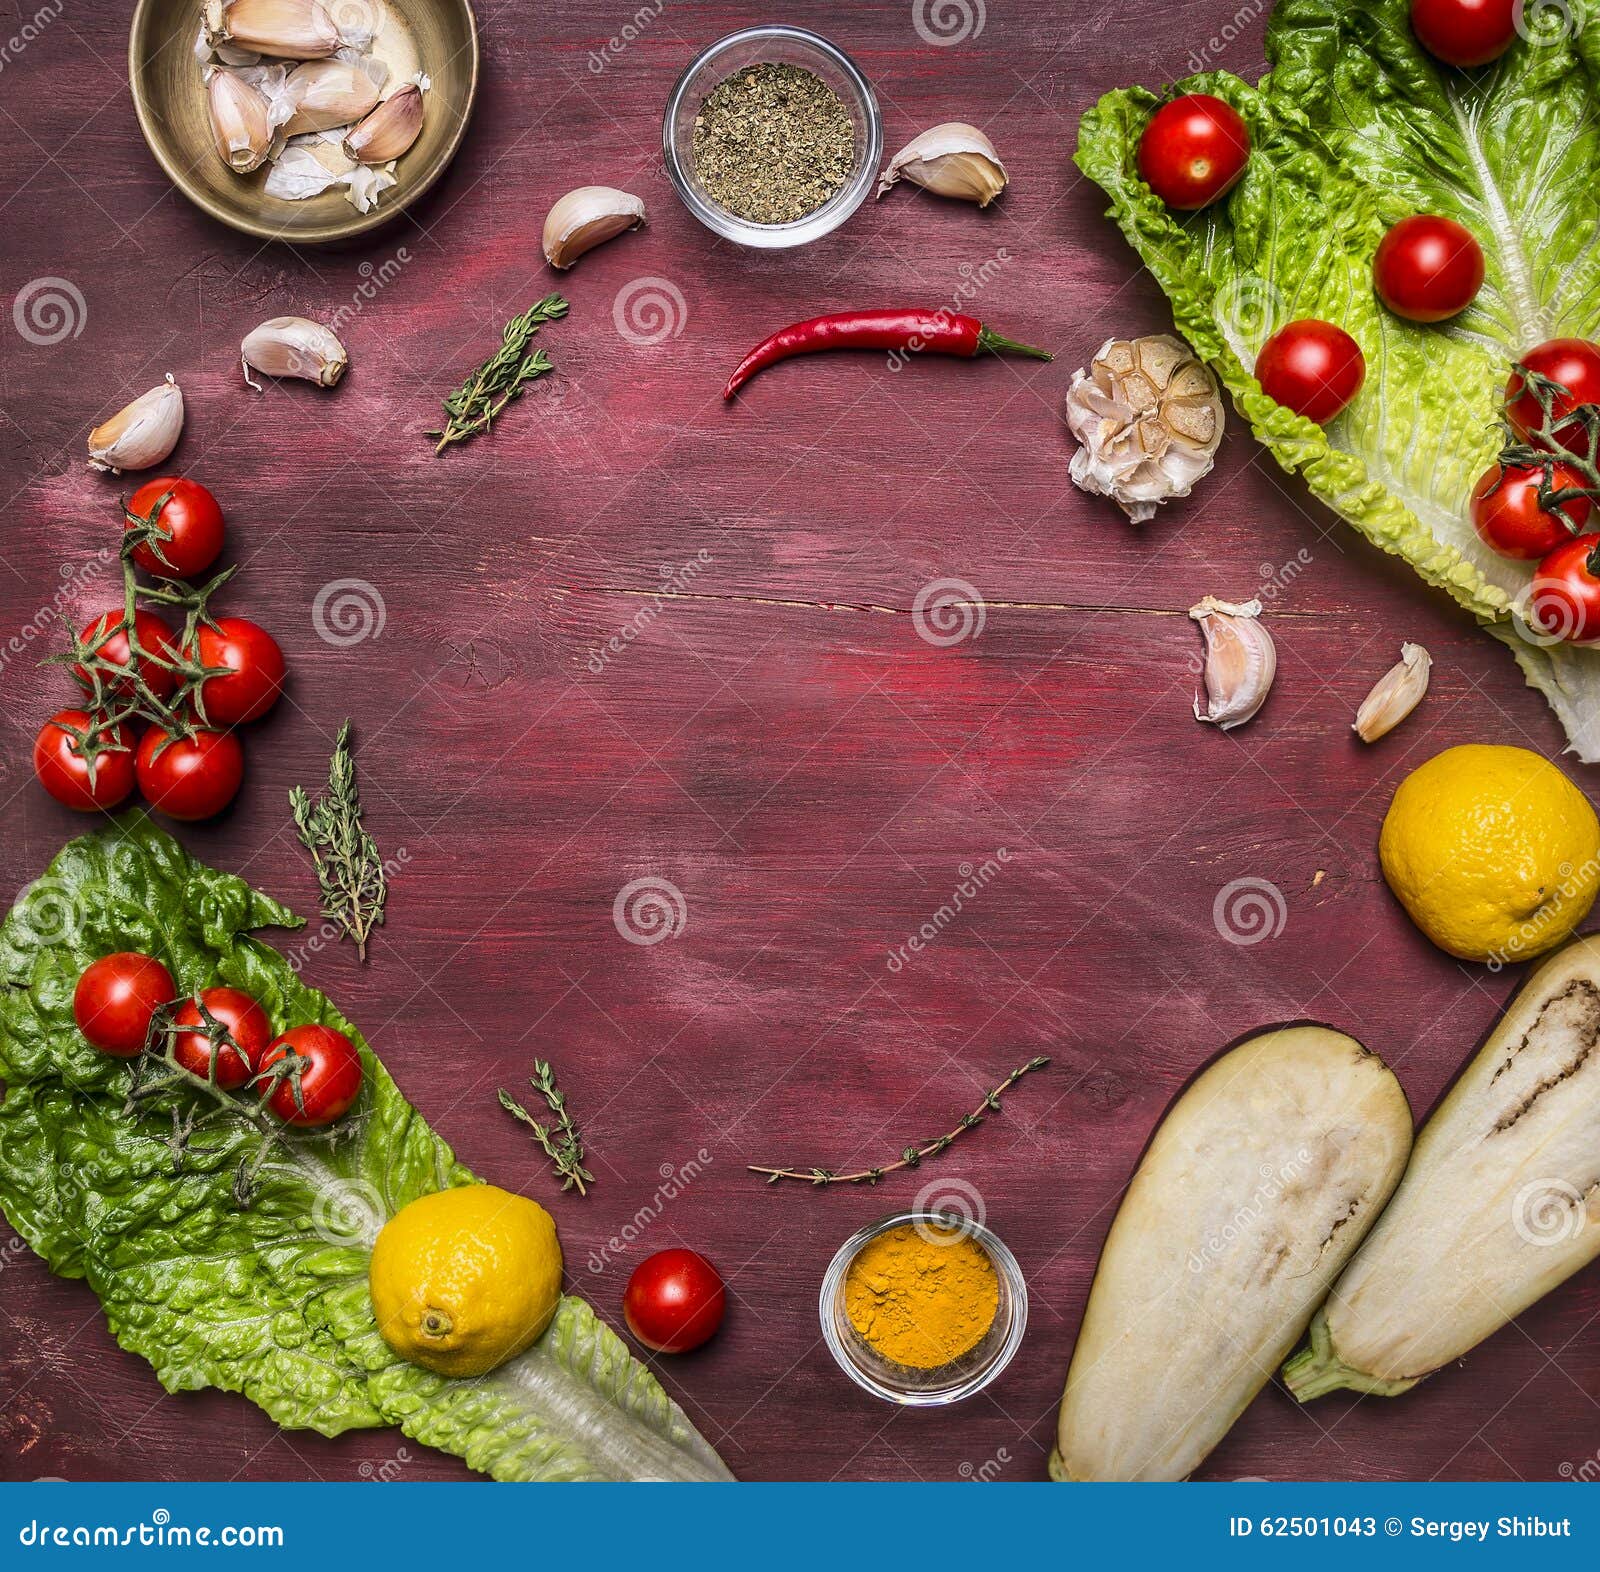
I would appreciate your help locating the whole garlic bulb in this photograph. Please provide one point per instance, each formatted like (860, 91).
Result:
(1148, 414)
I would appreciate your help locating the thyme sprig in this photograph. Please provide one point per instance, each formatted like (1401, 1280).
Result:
(350, 872)
(912, 1156)
(563, 1146)
(474, 405)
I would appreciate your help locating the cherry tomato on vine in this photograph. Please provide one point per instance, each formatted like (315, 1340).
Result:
(1509, 518)
(329, 1083)
(179, 524)
(1428, 268)
(190, 777)
(1464, 32)
(107, 639)
(1564, 598)
(1194, 150)
(247, 1024)
(1311, 367)
(65, 773)
(115, 998)
(674, 1301)
(1575, 364)
(256, 671)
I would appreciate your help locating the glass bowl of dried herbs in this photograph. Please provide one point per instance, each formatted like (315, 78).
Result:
(772, 137)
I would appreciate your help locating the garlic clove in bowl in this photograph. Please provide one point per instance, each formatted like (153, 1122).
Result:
(141, 434)
(586, 218)
(389, 130)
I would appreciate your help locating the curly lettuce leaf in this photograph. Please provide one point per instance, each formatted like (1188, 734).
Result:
(270, 1301)
(1354, 128)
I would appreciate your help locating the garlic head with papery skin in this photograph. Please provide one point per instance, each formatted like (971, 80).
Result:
(389, 130)
(141, 434)
(327, 94)
(293, 347)
(1395, 694)
(1148, 415)
(586, 218)
(241, 123)
(952, 160)
(284, 29)
(1241, 661)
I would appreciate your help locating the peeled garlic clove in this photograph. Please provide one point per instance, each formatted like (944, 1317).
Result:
(1395, 694)
(142, 434)
(294, 347)
(1241, 661)
(285, 29)
(389, 130)
(328, 93)
(241, 121)
(953, 160)
(586, 218)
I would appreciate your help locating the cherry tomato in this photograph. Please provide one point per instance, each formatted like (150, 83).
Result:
(674, 1301)
(65, 773)
(190, 777)
(1509, 519)
(1311, 367)
(1428, 268)
(1464, 32)
(1194, 150)
(186, 537)
(115, 998)
(1564, 598)
(1575, 364)
(329, 1083)
(256, 671)
(107, 639)
(247, 1024)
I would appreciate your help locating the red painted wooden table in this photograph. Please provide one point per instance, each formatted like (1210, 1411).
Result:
(770, 735)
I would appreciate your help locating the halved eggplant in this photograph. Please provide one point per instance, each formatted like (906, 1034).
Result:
(1254, 1192)
(1501, 1201)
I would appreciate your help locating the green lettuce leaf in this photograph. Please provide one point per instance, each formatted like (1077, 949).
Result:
(1354, 128)
(272, 1300)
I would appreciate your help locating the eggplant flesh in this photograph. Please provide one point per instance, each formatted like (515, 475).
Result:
(1500, 1204)
(1256, 1189)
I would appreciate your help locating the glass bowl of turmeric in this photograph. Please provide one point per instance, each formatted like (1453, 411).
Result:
(923, 1308)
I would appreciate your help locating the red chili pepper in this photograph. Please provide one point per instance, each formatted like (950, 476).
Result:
(937, 332)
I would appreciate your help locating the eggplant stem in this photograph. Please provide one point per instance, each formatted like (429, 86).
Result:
(1317, 1370)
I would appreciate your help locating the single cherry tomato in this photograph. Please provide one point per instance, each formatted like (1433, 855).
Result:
(1564, 598)
(247, 1024)
(67, 775)
(1464, 32)
(1428, 268)
(107, 640)
(190, 777)
(1509, 519)
(1194, 150)
(1311, 367)
(115, 998)
(329, 1080)
(1575, 364)
(179, 526)
(674, 1301)
(256, 671)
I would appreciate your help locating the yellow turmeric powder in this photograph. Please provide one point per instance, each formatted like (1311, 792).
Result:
(922, 1296)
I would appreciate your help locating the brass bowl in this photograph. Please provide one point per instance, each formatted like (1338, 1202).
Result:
(170, 99)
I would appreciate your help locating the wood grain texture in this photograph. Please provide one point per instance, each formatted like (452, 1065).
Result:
(772, 737)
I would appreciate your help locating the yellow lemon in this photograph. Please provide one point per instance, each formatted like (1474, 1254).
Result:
(464, 1279)
(1492, 851)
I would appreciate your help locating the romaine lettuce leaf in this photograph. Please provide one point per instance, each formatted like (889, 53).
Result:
(270, 1301)
(1354, 128)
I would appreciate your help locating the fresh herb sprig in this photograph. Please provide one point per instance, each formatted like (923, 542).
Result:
(350, 872)
(563, 1146)
(911, 1156)
(501, 378)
